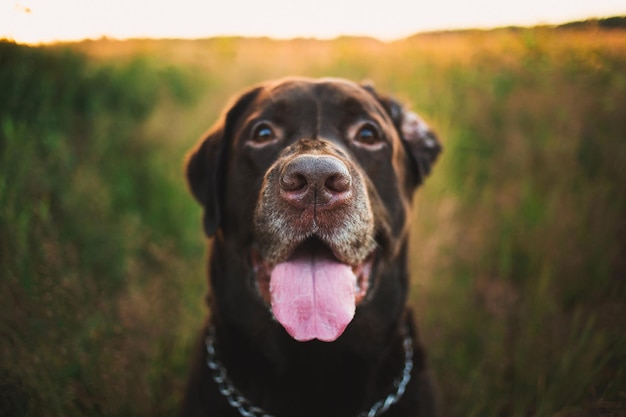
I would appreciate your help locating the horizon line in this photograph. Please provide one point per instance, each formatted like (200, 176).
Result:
(613, 22)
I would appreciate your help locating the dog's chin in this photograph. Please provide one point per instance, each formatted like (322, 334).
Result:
(311, 293)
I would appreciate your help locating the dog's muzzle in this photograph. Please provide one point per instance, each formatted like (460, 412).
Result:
(314, 243)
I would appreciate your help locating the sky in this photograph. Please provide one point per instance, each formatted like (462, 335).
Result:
(37, 21)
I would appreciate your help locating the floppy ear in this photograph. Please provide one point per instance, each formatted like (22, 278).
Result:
(421, 143)
(205, 164)
(419, 140)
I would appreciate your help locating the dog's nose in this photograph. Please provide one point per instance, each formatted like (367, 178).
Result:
(315, 180)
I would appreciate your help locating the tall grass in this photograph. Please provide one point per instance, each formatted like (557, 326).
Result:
(519, 235)
(534, 172)
(90, 250)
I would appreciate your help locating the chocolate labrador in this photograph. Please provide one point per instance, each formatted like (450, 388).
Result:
(306, 187)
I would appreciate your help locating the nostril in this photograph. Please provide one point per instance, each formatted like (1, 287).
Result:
(338, 183)
(293, 181)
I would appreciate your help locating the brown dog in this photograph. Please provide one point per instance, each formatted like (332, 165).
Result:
(306, 187)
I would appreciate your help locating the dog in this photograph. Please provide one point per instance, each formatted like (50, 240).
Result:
(306, 188)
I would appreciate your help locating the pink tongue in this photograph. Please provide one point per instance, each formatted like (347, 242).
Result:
(313, 297)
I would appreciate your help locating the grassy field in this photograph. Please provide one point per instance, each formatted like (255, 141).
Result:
(519, 245)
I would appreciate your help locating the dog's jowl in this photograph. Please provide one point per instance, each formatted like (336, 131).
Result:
(306, 188)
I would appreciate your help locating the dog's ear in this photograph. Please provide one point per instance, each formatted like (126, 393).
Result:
(202, 167)
(421, 143)
(205, 164)
(419, 140)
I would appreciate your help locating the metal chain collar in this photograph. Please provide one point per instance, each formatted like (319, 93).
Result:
(247, 409)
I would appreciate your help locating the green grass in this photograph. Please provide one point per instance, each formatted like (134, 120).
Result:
(92, 255)
(519, 272)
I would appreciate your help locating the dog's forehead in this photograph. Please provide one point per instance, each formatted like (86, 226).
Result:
(326, 93)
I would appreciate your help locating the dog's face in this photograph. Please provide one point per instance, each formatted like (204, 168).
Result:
(308, 183)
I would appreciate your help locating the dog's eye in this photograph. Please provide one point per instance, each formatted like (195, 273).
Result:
(368, 135)
(263, 133)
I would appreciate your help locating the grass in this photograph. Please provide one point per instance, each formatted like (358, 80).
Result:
(519, 235)
(89, 220)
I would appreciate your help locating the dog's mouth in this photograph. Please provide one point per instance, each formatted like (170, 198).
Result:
(312, 294)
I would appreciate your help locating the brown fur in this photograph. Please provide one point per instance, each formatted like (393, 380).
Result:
(248, 179)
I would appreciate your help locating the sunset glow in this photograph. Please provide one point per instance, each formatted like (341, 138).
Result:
(34, 21)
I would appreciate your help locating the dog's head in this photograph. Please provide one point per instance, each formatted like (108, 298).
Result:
(311, 181)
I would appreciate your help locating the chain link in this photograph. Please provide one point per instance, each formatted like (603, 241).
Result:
(400, 384)
(247, 409)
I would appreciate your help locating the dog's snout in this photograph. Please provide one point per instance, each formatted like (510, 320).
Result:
(315, 180)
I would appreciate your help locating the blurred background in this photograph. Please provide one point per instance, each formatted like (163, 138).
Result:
(518, 251)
